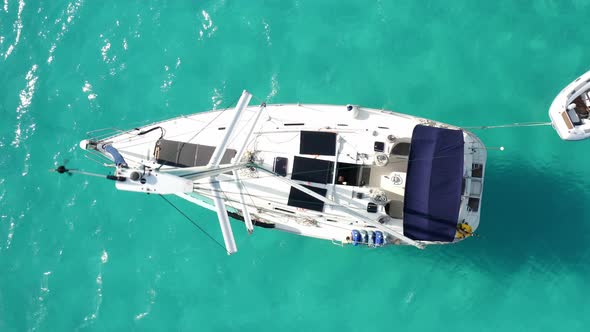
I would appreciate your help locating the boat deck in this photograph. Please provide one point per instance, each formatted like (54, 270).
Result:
(395, 195)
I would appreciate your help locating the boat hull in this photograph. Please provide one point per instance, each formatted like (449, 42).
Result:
(567, 123)
(368, 148)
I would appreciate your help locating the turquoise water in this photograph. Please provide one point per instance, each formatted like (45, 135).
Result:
(77, 255)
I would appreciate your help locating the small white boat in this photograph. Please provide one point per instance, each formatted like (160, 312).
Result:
(346, 174)
(569, 111)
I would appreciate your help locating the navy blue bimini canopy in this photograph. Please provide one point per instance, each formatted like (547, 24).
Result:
(433, 184)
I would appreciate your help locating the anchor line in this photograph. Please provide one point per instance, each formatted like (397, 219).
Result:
(512, 125)
(195, 224)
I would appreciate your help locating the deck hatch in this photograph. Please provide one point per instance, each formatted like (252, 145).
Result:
(182, 154)
(318, 143)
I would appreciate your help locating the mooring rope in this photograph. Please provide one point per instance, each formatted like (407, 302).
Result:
(512, 125)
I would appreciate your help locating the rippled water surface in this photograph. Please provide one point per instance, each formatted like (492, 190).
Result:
(77, 255)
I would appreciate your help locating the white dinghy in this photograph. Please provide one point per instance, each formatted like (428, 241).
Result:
(570, 110)
(346, 174)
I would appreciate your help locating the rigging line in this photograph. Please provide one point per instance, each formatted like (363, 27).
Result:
(340, 168)
(275, 142)
(307, 107)
(249, 196)
(176, 135)
(512, 125)
(147, 140)
(142, 124)
(208, 192)
(133, 134)
(99, 155)
(254, 141)
(245, 125)
(293, 217)
(203, 191)
(179, 150)
(106, 133)
(259, 99)
(194, 223)
(137, 138)
(208, 124)
(270, 118)
(225, 197)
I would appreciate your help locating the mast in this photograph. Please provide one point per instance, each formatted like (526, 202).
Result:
(245, 212)
(339, 140)
(228, 236)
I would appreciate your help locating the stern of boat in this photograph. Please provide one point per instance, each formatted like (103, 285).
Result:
(472, 186)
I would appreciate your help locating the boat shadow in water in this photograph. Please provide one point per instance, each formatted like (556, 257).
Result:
(529, 216)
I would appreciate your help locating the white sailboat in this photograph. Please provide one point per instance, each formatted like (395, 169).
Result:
(570, 110)
(346, 174)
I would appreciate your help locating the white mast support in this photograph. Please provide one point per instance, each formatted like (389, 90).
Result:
(338, 145)
(242, 149)
(239, 155)
(228, 235)
(200, 172)
(383, 228)
(245, 212)
(220, 150)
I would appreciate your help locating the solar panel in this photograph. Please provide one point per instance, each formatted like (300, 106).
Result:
(318, 142)
(182, 154)
(298, 198)
(312, 170)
